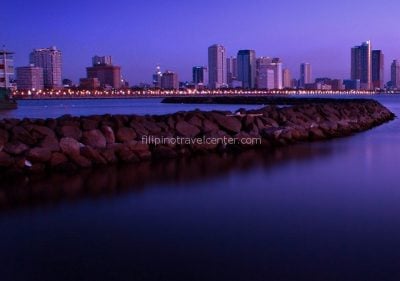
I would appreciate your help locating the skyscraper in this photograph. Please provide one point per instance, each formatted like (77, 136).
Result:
(276, 65)
(305, 74)
(246, 64)
(50, 60)
(200, 75)
(287, 78)
(395, 74)
(377, 69)
(217, 66)
(29, 78)
(231, 69)
(361, 65)
(264, 74)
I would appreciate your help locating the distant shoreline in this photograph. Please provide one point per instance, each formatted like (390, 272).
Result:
(134, 94)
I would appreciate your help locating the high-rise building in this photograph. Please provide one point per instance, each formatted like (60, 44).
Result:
(305, 74)
(157, 77)
(200, 75)
(246, 65)
(263, 73)
(361, 65)
(231, 69)
(377, 69)
(29, 78)
(217, 66)
(276, 65)
(50, 60)
(101, 60)
(287, 78)
(395, 74)
(169, 81)
(108, 75)
(6, 68)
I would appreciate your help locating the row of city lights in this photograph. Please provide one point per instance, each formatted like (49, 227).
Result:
(157, 92)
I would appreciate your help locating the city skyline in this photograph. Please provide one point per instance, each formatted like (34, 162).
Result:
(143, 35)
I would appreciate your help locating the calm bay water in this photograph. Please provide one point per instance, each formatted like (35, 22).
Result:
(321, 211)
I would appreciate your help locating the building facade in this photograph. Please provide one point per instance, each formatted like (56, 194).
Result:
(6, 68)
(305, 75)
(231, 69)
(361, 65)
(246, 67)
(378, 69)
(101, 60)
(169, 81)
(395, 74)
(286, 79)
(217, 74)
(157, 77)
(29, 78)
(200, 75)
(49, 59)
(108, 75)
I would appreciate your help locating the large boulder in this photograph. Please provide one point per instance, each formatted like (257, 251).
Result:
(125, 134)
(57, 159)
(108, 134)
(42, 130)
(89, 124)
(94, 138)
(93, 155)
(71, 132)
(38, 154)
(51, 143)
(15, 148)
(3, 137)
(229, 123)
(5, 159)
(22, 135)
(70, 146)
(209, 126)
(186, 129)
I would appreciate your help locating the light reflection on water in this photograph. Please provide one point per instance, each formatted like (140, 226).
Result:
(320, 211)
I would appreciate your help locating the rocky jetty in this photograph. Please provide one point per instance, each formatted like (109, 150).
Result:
(69, 143)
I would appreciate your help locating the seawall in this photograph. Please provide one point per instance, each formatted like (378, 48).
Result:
(68, 143)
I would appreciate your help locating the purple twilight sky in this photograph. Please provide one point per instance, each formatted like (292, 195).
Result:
(176, 34)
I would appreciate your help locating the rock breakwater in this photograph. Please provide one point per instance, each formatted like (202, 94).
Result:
(69, 143)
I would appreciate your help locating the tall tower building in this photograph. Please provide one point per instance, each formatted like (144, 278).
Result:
(361, 65)
(50, 60)
(264, 73)
(276, 65)
(305, 74)
(217, 66)
(377, 69)
(395, 74)
(231, 69)
(287, 78)
(246, 64)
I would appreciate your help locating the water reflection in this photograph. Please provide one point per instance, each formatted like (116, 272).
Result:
(136, 178)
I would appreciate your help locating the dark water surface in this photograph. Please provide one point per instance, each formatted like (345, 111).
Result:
(321, 211)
